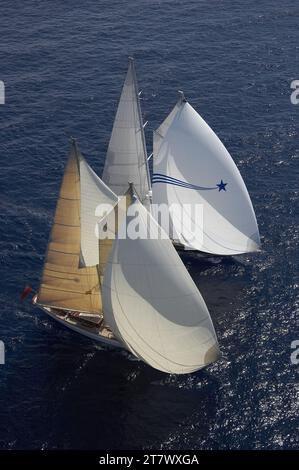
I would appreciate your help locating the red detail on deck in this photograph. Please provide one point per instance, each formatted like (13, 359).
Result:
(26, 292)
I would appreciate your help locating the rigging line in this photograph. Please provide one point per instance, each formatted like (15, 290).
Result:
(142, 127)
(89, 274)
(94, 287)
(140, 121)
(79, 293)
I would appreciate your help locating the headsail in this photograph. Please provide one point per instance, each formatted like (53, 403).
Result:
(64, 283)
(97, 201)
(192, 167)
(152, 304)
(112, 222)
(126, 159)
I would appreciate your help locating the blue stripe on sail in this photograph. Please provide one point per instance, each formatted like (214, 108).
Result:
(175, 183)
(159, 178)
(183, 185)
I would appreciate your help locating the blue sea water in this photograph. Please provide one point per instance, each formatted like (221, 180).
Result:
(63, 64)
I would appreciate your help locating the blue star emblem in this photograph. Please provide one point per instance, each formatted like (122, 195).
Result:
(221, 185)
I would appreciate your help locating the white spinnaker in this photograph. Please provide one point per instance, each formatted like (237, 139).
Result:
(153, 306)
(126, 159)
(97, 200)
(188, 152)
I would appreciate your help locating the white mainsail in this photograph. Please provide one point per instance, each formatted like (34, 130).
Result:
(192, 167)
(152, 304)
(126, 159)
(97, 200)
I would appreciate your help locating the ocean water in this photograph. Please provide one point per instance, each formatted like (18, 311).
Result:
(63, 64)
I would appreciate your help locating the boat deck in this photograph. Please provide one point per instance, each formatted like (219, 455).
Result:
(90, 325)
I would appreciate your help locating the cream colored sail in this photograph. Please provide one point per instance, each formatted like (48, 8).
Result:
(112, 221)
(64, 284)
(152, 304)
(126, 160)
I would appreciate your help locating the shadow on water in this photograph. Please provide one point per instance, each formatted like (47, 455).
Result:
(117, 402)
(108, 400)
(80, 396)
(88, 397)
(212, 274)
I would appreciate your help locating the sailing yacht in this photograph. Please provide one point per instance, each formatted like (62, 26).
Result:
(70, 285)
(191, 169)
(127, 292)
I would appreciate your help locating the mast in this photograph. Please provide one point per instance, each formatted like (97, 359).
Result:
(160, 132)
(182, 98)
(131, 61)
